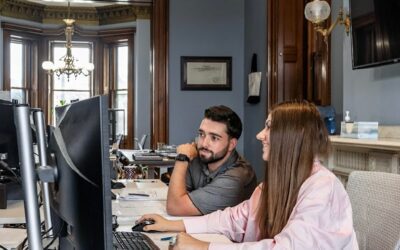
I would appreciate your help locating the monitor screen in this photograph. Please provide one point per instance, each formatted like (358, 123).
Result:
(375, 32)
(81, 196)
(8, 139)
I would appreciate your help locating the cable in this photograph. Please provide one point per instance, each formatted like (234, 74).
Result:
(1, 247)
(54, 236)
(6, 167)
(11, 178)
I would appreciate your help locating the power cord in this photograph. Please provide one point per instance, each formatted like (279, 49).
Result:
(6, 167)
(24, 245)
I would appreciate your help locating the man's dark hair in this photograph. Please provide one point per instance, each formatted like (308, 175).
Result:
(227, 116)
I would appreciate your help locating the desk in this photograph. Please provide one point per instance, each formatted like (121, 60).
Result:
(11, 237)
(14, 214)
(129, 211)
(163, 165)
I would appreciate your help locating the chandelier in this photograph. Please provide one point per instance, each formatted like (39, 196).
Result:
(68, 65)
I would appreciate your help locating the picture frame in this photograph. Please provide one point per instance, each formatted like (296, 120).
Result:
(206, 73)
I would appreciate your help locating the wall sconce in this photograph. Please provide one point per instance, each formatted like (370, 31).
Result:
(318, 11)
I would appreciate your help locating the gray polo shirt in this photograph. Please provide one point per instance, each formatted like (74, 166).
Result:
(228, 186)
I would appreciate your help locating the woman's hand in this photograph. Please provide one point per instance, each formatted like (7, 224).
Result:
(184, 242)
(161, 224)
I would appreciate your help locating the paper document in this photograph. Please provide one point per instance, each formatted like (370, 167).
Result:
(150, 194)
(156, 208)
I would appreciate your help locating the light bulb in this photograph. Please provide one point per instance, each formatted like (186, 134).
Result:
(89, 66)
(47, 65)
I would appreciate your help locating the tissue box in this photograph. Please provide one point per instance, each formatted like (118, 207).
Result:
(360, 130)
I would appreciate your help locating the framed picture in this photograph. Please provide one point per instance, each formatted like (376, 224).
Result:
(206, 73)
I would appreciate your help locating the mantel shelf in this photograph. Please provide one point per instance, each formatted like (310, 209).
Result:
(392, 144)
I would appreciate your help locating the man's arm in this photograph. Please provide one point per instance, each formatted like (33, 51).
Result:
(178, 201)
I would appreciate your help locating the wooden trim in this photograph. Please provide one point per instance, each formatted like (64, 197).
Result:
(159, 121)
(6, 58)
(131, 96)
(272, 94)
(102, 15)
(43, 79)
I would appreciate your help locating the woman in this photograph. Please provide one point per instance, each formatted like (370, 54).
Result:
(300, 205)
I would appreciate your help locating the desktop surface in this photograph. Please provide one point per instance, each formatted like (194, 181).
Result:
(128, 211)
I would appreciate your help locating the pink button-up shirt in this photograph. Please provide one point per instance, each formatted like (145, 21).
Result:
(321, 219)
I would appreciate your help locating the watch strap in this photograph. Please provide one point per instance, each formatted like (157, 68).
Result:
(182, 157)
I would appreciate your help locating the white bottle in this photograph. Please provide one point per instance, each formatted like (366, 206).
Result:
(349, 123)
(347, 117)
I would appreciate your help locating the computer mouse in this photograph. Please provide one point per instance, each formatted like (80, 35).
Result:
(139, 226)
(117, 185)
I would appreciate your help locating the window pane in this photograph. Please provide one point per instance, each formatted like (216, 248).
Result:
(122, 81)
(16, 64)
(121, 102)
(67, 96)
(64, 97)
(82, 54)
(18, 94)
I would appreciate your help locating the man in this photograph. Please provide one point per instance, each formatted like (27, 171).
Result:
(210, 175)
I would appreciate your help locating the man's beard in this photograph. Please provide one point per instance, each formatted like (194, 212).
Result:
(214, 156)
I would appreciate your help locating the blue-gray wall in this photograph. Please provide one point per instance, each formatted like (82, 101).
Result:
(234, 28)
(203, 28)
(369, 94)
(337, 67)
(255, 114)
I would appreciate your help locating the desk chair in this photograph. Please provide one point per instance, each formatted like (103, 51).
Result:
(375, 199)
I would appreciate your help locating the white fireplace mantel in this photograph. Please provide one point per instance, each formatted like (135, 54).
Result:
(380, 154)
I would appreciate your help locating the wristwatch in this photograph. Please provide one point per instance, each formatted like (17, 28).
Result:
(182, 157)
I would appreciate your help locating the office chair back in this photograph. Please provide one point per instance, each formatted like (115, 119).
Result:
(142, 142)
(375, 199)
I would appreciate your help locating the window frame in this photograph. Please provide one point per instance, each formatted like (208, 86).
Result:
(30, 63)
(111, 44)
(51, 89)
(40, 81)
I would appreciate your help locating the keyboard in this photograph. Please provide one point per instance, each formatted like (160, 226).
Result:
(133, 240)
(147, 157)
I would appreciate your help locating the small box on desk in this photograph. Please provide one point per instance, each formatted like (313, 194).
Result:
(359, 130)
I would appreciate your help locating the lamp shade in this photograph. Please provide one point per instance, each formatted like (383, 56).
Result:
(317, 11)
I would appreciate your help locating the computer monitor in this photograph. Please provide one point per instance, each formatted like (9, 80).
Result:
(8, 139)
(80, 196)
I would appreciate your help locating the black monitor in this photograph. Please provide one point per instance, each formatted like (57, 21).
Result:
(80, 196)
(8, 139)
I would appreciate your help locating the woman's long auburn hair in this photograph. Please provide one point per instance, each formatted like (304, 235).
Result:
(297, 137)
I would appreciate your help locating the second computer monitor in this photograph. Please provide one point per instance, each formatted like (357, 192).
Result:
(81, 197)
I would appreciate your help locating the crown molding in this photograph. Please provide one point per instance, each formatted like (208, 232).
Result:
(83, 15)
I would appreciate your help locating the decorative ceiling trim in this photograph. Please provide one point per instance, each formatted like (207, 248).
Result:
(110, 14)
